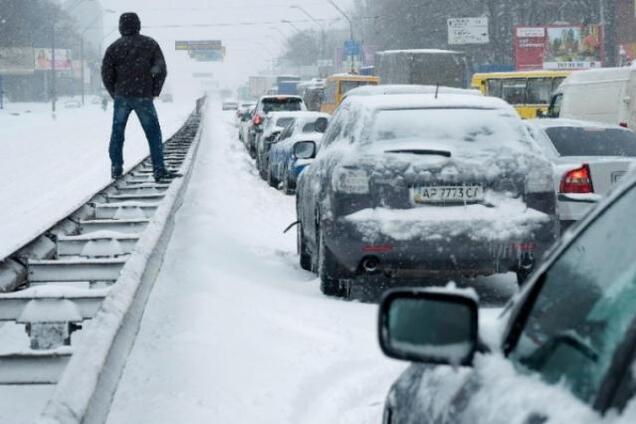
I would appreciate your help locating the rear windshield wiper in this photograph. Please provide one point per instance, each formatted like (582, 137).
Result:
(444, 153)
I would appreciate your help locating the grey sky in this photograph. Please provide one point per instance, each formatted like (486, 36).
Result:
(246, 27)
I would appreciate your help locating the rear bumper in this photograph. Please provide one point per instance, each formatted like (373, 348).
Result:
(416, 250)
(574, 207)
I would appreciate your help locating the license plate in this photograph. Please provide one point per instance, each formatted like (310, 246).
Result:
(447, 194)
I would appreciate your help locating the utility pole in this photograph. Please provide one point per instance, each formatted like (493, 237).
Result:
(342, 12)
(53, 87)
(609, 25)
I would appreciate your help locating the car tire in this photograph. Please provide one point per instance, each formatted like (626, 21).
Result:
(270, 178)
(328, 271)
(287, 186)
(304, 255)
(522, 276)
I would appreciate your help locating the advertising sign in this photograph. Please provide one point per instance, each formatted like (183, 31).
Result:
(16, 61)
(529, 47)
(573, 47)
(558, 47)
(468, 31)
(63, 60)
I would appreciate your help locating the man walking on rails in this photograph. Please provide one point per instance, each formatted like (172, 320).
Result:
(133, 72)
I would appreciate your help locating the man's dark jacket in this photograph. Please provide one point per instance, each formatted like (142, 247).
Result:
(134, 65)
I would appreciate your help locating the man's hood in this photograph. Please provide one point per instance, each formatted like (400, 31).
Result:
(129, 24)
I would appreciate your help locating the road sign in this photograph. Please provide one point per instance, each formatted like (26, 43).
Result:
(198, 45)
(211, 55)
(352, 48)
(468, 31)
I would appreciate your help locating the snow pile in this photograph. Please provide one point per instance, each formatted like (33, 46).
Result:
(508, 219)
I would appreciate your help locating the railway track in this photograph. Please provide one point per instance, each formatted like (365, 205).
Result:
(79, 289)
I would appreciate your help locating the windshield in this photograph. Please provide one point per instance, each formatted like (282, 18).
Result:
(287, 104)
(460, 127)
(578, 141)
(586, 305)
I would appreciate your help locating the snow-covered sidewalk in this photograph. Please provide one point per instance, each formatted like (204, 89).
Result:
(49, 167)
(235, 331)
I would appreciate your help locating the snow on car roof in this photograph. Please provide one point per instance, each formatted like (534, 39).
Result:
(413, 101)
(372, 90)
(280, 96)
(598, 75)
(560, 122)
(296, 114)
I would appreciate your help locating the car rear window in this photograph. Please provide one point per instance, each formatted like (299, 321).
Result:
(452, 126)
(283, 122)
(283, 104)
(579, 141)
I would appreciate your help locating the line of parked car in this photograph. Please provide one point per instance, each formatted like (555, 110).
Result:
(415, 185)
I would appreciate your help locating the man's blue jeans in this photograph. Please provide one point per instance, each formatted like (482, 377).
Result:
(147, 114)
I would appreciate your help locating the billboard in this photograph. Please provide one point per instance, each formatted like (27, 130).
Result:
(573, 47)
(63, 60)
(558, 47)
(16, 61)
(529, 47)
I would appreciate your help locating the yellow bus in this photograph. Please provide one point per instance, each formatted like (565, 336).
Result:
(338, 85)
(529, 92)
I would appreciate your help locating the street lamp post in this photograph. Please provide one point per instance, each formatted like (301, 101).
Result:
(342, 12)
(83, 33)
(291, 24)
(53, 76)
(323, 36)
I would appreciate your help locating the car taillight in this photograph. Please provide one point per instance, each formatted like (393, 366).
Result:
(352, 181)
(578, 180)
(624, 125)
(257, 120)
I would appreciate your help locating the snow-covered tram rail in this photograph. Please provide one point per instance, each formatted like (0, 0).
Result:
(79, 289)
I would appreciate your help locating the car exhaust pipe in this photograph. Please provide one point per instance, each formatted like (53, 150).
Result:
(370, 264)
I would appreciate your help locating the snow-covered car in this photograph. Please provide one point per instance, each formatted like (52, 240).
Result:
(563, 350)
(274, 125)
(284, 165)
(244, 122)
(266, 105)
(589, 159)
(407, 186)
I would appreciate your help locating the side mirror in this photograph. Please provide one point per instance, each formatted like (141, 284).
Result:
(305, 150)
(427, 326)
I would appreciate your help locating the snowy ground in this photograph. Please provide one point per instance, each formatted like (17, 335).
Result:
(234, 330)
(49, 167)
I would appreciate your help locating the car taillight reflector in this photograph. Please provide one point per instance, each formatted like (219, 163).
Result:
(578, 180)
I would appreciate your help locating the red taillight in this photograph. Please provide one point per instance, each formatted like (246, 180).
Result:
(578, 180)
(257, 120)
(624, 125)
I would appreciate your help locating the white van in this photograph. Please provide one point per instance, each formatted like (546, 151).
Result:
(605, 95)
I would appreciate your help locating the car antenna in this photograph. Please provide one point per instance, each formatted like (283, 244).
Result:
(437, 90)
